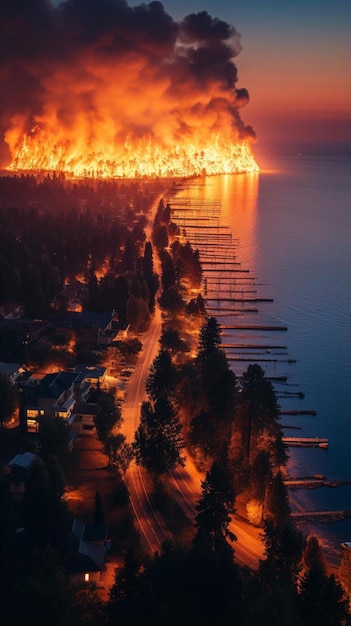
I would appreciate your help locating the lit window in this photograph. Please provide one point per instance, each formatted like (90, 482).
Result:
(86, 578)
(32, 413)
(32, 426)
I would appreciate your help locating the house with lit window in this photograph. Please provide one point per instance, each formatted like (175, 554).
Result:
(82, 421)
(54, 395)
(88, 561)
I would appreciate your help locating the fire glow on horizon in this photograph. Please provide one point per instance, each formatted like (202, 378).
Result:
(129, 93)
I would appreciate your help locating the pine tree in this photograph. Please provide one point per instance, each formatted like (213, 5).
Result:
(323, 601)
(162, 376)
(158, 441)
(215, 508)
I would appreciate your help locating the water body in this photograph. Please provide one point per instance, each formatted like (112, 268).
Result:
(293, 224)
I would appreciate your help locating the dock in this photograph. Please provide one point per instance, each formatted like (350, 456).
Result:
(311, 442)
(326, 516)
(312, 483)
(252, 327)
(299, 412)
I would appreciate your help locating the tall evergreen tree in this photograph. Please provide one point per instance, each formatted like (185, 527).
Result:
(158, 440)
(214, 511)
(162, 376)
(210, 338)
(322, 598)
(99, 515)
(260, 410)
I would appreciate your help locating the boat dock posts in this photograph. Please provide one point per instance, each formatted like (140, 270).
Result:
(299, 412)
(331, 516)
(253, 327)
(312, 483)
(311, 442)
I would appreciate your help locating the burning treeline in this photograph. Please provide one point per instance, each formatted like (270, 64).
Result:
(100, 88)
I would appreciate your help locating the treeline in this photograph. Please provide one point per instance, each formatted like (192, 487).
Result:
(46, 240)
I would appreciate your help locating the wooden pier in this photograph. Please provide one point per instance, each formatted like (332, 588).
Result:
(314, 482)
(299, 412)
(252, 360)
(326, 516)
(306, 442)
(253, 327)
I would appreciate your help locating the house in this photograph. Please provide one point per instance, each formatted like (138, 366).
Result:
(17, 478)
(82, 420)
(88, 561)
(14, 371)
(71, 297)
(94, 374)
(89, 328)
(54, 396)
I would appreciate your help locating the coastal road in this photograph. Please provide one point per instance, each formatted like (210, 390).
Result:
(184, 482)
(153, 530)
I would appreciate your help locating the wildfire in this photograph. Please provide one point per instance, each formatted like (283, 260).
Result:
(131, 93)
(139, 158)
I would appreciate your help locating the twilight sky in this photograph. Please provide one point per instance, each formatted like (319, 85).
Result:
(295, 62)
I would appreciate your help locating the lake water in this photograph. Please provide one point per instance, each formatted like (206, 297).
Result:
(293, 224)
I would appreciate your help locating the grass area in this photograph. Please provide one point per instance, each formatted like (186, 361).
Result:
(86, 472)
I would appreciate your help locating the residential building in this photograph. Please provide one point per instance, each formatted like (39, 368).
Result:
(89, 329)
(54, 396)
(88, 561)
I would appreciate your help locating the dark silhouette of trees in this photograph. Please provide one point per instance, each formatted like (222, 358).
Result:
(187, 264)
(108, 416)
(8, 399)
(277, 505)
(211, 427)
(168, 276)
(162, 377)
(322, 599)
(123, 606)
(283, 552)
(99, 515)
(172, 302)
(215, 508)
(257, 416)
(54, 436)
(158, 442)
(172, 341)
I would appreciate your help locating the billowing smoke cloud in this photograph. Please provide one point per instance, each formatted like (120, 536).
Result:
(102, 67)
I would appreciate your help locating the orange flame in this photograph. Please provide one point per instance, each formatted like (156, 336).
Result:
(40, 150)
(131, 93)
